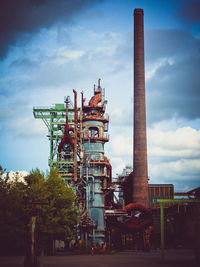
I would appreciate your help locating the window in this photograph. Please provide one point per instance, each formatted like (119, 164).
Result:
(94, 132)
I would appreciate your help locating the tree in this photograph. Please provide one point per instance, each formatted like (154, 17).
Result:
(60, 216)
(13, 217)
(55, 220)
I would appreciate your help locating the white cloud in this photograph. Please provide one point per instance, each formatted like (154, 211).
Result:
(173, 155)
(28, 127)
(63, 55)
(182, 169)
(116, 115)
(122, 145)
(108, 50)
(183, 142)
(151, 69)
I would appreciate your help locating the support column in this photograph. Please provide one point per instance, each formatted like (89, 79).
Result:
(162, 240)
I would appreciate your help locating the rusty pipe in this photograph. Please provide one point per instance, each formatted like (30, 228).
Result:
(75, 134)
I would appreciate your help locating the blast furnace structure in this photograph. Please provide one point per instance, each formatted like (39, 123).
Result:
(77, 137)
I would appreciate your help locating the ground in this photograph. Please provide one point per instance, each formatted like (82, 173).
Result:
(173, 258)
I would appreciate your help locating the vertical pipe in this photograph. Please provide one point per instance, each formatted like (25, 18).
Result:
(51, 141)
(66, 112)
(93, 232)
(140, 173)
(75, 135)
(81, 142)
(162, 230)
(81, 133)
(86, 239)
(99, 86)
(82, 100)
(81, 128)
(87, 191)
(93, 188)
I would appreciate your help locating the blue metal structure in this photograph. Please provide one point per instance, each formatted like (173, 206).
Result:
(98, 168)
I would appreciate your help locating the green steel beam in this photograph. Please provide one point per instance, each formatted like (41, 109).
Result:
(179, 201)
(43, 116)
(54, 117)
(46, 123)
(51, 142)
(63, 162)
(60, 123)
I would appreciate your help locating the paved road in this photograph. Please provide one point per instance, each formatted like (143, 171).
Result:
(174, 258)
(11, 261)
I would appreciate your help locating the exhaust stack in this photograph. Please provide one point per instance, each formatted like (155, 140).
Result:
(140, 169)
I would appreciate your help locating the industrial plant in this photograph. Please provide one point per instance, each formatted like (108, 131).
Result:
(122, 212)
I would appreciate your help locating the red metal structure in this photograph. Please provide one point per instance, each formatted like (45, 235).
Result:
(96, 99)
(66, 139)
(75, 134)
(136, 223)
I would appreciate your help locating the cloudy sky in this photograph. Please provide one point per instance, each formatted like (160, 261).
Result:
(49, 47)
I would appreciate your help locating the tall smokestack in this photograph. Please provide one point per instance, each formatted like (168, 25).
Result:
(140, 170)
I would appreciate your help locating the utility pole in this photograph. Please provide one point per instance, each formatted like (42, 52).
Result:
(31, 259)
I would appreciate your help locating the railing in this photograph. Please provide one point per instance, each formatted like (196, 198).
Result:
(106, 127)
(95, 116)
(105, 137)
(44, 107)
(106, 116)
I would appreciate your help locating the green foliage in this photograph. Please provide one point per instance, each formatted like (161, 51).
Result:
(56, 212)
(13, 216)
(59, 216)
